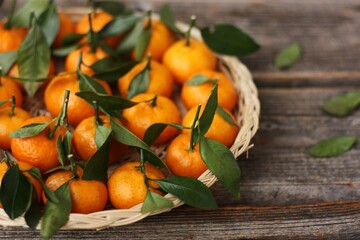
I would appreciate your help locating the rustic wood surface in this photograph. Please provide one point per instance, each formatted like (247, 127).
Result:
(285, 193)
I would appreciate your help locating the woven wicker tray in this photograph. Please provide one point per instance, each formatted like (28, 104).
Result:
(247, 116)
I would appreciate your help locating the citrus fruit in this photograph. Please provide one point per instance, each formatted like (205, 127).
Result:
(84, 140)
(161, 81)
(220, 130)
(78, 108)
(11, 38)
(39, 150)
(193, 95)
(184, 61)
(66, 27)
(144, 114)
(126, 184)
(8, 88)
(9, 123)
(181, 160)
(88, 58)
(87, 196)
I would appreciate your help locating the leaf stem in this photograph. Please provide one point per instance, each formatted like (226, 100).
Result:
(13, 101)
(148, 14)
(97, 118)
(73, 166)
(91, 34)
(11, 14)
(148, 61)
(142, 168)
(196, 118)
(79, 61)
(61, 119)
(7, 159)
(153, 102)
(188, 33)
(0, 76)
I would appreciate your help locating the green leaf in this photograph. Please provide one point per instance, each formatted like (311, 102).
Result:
(112, 7)
(106, 102)
(154, 131)
(16, 192)
(22, 15)
(222, 163)
(342, 105)
(142, 43)
(56, 213)
(64, 51)
(229, 40)
(128, 42)
(101, 134)
(34, 214)
(4, 102)
(96, 167)
(123, 135)
(200, 79)
(332, 147)
(87, 83)
(154, 202)
(189, 190)
(33, 58)
(49, 21)
(140, 82)
(118, 25)
(72, 38)
(30, 130)
(288, 56)
(7, 59)
(166, 17)
(113, 74)
(64, 147)
(226, 116)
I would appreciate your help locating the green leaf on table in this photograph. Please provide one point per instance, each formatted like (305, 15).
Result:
(123, 135)
(106, 102)
(167, 17)
(63, 147)
(112, 7)
(222, 163)
(342, 105)
(118, 25)
(72, 38)
(155, 130)
(332, 147)
(140, 82)
(64, 51)
(22, 14)
(34, 213)
(154, 202)
(56, 213)
(229, 40)
(142, 43)
(226, 115)
(49, 21)
(201, 79)
(16, 192)
(96, 167)
(101, 134)
(87, 83)
(127, 44)
(33, 57)
(30, 130)
(7, 59)
(113, 74)
(288, 56)
(189, 190)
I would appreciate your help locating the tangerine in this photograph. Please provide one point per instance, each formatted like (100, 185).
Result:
(66, 27)
(8, 88)
(147, 113)
(126, 184)
(11, 38)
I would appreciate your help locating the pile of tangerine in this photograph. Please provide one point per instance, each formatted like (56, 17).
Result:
(173, 63)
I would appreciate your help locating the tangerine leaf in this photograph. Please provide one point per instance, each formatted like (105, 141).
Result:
(16, 192)
(225, 115)
(22, 14)
(56, 213)
(166, 17)
(30, 130)
(155, 130)
(189, 190)
(118, 25)
(64, 51)
(154, 202)
(106, 102)
(342, 105)
(49, 21)
(331, 147)
(87, 83)
(63, 147)
(33, 57)
(34, 214)
(200, 79)
(72, 38)
(112, 7)
(128, 42)
(113, 74)
(101, 134)
(142, 43)
(96, 167)
(222, 163)
(288, 56)
(139, 83)
(7, 59)
(229, 40)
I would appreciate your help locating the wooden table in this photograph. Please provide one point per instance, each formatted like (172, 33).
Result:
(285, 193)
